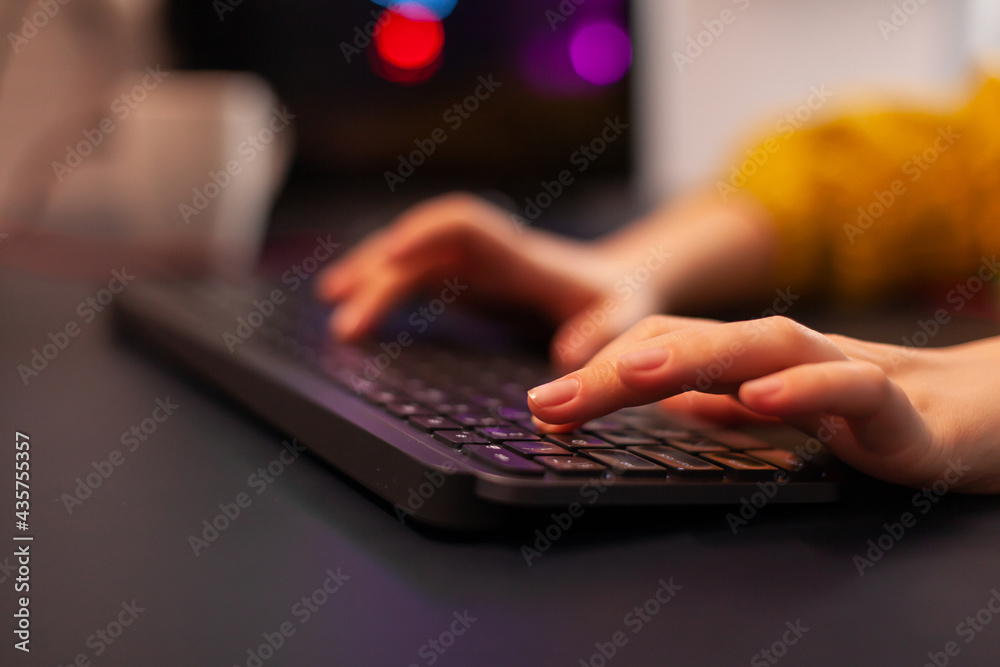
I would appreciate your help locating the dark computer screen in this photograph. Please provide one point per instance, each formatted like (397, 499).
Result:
(503, 94)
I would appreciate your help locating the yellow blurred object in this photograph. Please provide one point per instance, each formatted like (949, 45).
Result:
(867, 204)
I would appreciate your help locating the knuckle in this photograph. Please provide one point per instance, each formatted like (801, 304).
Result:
(652, 326)
(604, 375)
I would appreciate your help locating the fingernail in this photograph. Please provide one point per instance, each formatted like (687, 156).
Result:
(765, 386)
(645, 359)
(555, 393)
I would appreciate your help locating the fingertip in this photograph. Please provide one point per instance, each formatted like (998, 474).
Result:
(332, 284)
(346, 323)
(545, 427)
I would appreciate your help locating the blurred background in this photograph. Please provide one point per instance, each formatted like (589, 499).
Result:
(216, 121)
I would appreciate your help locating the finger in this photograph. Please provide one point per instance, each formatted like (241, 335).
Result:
(716, 359)
(882, 420)
(343, 276)
(646, 329)
(356, 316)
(583, 336)
(723, 410)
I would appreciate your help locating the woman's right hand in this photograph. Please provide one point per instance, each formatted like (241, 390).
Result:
(581, 288)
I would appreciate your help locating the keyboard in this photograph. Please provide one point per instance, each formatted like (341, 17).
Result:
(442, 432)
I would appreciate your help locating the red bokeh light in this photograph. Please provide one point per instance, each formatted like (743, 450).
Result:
(409, 42)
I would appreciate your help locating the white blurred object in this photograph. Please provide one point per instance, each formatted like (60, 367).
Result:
(164, 169)
(766, 60)
(100, 139)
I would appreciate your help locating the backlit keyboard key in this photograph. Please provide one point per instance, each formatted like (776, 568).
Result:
(578, 440)
(741, 465)
(536, 448)
(677, 461)
(737, 441)
(503, 459)
(623, 438)
(571, 465)
(625, 463)
(501, 433)
(458, 439)
(696, 445)
(781, 458)
(428, 423)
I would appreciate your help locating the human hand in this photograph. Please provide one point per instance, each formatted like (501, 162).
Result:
(903, 415)
(572, 284)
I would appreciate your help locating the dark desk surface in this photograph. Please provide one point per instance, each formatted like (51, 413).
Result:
(129, 541)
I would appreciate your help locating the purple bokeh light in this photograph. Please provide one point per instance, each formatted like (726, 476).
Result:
(601, 53)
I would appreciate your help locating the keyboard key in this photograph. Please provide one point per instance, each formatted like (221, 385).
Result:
(607, 423)
(503, 459)
(737, 441)
(624, 463)
(458, 439)
(403, 409)
(450, 408)
(502, 433)
(571, 465)
(536, 448)
(477, 418)
(511, 413)
(678, 461)
(428, 423)
(626, 438)
(696, 445)
(668, 433)
(578, 440)
(380, 395)
(741, 465)
(780, 458)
